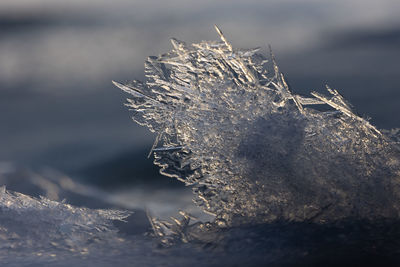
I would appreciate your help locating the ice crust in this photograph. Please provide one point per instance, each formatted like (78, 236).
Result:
(41, 230)
(46, 231)
(228, 125)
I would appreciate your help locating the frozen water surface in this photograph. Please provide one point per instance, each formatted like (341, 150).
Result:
(290, 179)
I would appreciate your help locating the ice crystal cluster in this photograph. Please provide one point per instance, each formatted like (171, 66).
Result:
(41, 230)
(253, 151)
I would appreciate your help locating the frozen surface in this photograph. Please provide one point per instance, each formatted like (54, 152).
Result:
(229, 126)
(48, 231)
(41, 230)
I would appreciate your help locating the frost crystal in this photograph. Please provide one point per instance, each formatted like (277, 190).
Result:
(251, 149)
(42, 229)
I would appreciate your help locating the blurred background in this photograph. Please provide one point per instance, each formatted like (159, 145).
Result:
(59, 110)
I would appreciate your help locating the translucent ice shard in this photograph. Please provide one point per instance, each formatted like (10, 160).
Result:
(229, 126)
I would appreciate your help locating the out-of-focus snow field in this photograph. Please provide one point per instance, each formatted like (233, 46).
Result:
(59, 109)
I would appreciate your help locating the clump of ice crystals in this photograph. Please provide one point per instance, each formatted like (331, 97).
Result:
(255, 152)
(42, 230)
